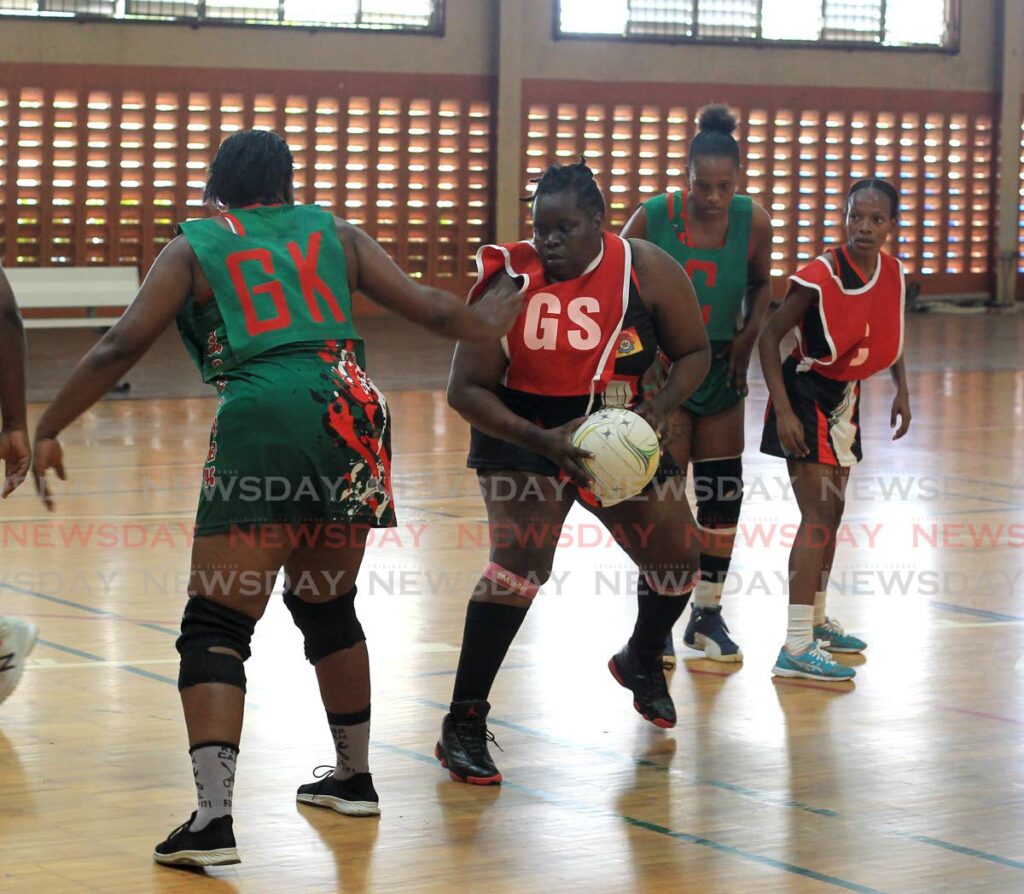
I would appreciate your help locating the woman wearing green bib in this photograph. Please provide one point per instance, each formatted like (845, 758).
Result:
(298, 467)
(723, 241)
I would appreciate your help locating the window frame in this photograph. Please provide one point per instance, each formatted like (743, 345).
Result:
(437, 29)
(952, 48)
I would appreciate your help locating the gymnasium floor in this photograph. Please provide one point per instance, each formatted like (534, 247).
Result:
(909, 780)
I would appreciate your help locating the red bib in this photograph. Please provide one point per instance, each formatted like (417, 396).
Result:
(563, 343)
(863, 327)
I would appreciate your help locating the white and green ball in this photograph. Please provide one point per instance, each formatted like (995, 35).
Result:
(626, 453)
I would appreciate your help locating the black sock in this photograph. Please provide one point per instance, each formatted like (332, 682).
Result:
(489, 631)
(655, 617)
(714, 569)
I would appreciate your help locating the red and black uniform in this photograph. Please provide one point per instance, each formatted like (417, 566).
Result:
(571, 340)
(852, 331)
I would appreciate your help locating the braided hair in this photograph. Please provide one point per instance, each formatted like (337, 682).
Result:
(882, 186)
(577, 177)
(251, 166)
(716, 124)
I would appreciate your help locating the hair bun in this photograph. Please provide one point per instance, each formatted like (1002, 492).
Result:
(717, 119)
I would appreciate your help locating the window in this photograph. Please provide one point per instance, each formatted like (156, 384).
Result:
(424, 16)
(886, 23)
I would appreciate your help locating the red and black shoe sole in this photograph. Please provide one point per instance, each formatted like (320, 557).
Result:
(659, 722)
(471, 780)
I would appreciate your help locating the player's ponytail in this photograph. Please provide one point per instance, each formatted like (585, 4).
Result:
(716, 125)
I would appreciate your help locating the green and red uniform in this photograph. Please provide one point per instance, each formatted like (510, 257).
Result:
(719, 277)
(302, 435)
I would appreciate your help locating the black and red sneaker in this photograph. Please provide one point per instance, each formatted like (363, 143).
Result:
(646, 680)
(462, 748)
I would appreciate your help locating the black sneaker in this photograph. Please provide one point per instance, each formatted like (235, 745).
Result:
(647, 682)
(356, 796)
(211, 846)
(462, 748)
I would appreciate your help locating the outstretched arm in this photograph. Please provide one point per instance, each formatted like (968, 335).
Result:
(162, 295)
(372, 272)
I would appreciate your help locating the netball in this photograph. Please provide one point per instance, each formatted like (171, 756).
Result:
(626, 452)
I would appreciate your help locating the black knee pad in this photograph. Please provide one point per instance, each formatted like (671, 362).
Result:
(207, 625)
(327, 627)
(718, 484)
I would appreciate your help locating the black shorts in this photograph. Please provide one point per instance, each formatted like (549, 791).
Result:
(490, 454)
(487, 454)
(829, 411)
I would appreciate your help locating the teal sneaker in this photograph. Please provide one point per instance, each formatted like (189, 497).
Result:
(812, 664)
(835, 639)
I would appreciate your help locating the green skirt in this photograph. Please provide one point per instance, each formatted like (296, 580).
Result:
(714, 394)
(302, 437)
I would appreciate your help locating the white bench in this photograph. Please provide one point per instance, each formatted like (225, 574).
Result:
(101, 292)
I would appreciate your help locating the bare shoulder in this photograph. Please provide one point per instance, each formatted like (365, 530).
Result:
(348, 234)
(648, 258)
(760, 219)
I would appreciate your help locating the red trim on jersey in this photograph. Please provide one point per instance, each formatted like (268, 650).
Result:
(235, 223)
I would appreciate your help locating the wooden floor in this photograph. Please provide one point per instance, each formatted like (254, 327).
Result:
(909, 781)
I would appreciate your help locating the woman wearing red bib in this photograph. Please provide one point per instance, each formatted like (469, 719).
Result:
(524, 396)
(847, 307)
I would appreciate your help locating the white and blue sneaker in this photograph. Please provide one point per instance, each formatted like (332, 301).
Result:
(811, 664)
(707, 632)
(835, 639)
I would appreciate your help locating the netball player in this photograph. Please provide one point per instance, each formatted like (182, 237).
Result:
(523, 397)
(17, 637)
(262, 296)
(723, 241)
(847, 306)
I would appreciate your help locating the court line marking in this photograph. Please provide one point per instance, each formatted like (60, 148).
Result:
(763, 797)
(682, 836)
(976, 612)
(86, 608)
(575, 806)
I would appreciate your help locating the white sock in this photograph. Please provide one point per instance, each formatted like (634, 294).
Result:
(799, 635)
(213, 767)
(707, 594)
(819, 608)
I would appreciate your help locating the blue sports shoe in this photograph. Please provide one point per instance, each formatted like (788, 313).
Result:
(812, 664)
(668, 654)
(707, 632)
(835, 639)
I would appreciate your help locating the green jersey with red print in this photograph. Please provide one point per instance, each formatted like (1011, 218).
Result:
(719, 274)
(278, 276)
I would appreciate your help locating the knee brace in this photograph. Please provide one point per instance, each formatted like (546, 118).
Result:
(510, 581)
(718, 484)
(327, 627)
(207, 626)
